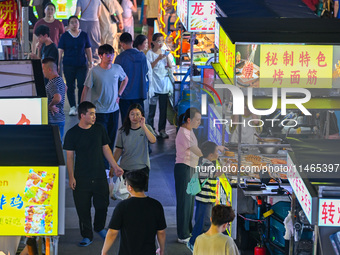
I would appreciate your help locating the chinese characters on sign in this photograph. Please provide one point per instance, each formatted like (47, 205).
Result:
(227, 54)
(302, 66)
(300, 189)
(202, 16)
(8, 19)
(29, 200)
(21, 111)
(329, 212)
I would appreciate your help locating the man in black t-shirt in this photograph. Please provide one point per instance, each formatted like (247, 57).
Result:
(139, 218)
(89, 142)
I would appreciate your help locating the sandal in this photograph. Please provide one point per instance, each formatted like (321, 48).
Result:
(85, 242)
(102, 233)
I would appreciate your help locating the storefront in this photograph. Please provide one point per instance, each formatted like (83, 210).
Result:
(287, 74)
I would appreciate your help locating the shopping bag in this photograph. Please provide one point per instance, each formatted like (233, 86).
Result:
(111, 187)
(145, 30)
(194, 186)
(120, 190)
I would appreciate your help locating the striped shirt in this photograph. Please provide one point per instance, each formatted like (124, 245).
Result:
(208, 192)
(56, 86)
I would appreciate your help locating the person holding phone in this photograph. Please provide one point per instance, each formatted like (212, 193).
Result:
(132, 142)
(160, 81)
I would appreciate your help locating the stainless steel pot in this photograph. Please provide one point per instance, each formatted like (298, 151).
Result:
(269, 149)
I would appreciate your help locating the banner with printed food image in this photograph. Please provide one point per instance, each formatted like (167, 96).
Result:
(202, 16)
(29, 201)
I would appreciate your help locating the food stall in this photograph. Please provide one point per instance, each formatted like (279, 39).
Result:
(286, 68)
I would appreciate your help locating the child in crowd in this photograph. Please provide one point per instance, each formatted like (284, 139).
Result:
(213, 242)
(160, 82)
(128, 7)
(132, 142)
(207, 197)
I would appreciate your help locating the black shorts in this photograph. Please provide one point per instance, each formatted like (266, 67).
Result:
(150, 21)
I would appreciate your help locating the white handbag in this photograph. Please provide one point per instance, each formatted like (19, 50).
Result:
(119, 190)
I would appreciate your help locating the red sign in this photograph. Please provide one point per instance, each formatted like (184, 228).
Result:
(8, 19)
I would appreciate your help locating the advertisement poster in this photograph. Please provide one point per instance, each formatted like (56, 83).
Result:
(29, 201)
(64, 8)
(8, 19)
(21, 111)
(202, 16)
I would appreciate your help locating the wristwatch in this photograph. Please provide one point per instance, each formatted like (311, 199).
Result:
(119, 96)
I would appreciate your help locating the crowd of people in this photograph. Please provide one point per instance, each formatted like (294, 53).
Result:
(111, 85)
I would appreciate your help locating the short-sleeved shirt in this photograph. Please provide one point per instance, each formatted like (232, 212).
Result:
(104, 18)
(88, 147)
(127, 5)
(56, 86)
(135, 153)
(104, 87)
(152, 9)
(50, 51)
(208, 191)
(184, 140)
(74, 48)
(56, 29)
(89, 9)
(218, 244)
(135, 65)
(138, 219)
(159, 73)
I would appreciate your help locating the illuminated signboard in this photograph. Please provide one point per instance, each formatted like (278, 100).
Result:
(217, 35)
(23, 111)
(302, 66)
(8, 19)
(197, 16)
(182, 12)
(287, 66)
(64, 8)
(300, 189)
(227, 55)
(29, 201)
(202, 17)
(329, 212)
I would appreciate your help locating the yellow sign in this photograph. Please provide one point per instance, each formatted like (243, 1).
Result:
(29, 201)
(224, 194)
(301, 66)
(227, 55)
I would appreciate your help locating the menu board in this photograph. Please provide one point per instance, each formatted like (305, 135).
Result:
(64, 8)
(29, 201)
(197, 16)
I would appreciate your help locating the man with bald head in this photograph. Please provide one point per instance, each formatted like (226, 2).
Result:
(55, 91)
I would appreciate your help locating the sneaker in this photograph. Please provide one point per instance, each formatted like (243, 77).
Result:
(73, 111)
(163, 134)
(183, 241)
(190, 246)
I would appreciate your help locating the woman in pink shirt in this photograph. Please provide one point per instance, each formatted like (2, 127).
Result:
(187, 155)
